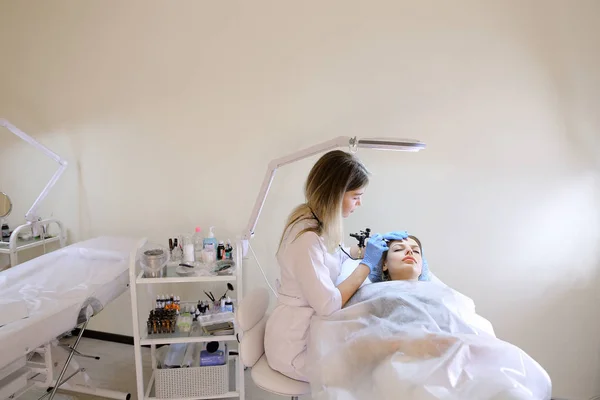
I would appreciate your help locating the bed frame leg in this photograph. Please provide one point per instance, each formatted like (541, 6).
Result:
(64, 369)
(77, 353)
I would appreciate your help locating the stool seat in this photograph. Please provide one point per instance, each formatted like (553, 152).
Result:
(251, 320)
(272, 381)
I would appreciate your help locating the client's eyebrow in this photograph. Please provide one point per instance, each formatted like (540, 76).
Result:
(404, 244)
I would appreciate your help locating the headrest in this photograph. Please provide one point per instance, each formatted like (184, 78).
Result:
(252, 309)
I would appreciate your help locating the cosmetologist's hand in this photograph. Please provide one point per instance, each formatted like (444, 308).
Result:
(373, 254)
(396, 235)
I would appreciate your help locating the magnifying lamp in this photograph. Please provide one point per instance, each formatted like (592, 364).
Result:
(353, 145)
(31, 216)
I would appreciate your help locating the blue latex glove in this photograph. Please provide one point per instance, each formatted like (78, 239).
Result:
(373, 254)
(396, 235)
(425, 275)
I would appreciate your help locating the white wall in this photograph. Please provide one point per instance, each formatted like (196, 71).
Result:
(169, 113)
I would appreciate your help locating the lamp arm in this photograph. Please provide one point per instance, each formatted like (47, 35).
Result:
(31, 214)
(339, 141)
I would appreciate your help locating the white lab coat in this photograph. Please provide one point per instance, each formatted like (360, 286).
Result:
(307, 287)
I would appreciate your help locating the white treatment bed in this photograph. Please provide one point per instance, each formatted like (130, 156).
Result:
(61, 290)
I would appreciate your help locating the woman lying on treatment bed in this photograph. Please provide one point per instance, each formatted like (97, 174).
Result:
(411, 336)
(404, 261)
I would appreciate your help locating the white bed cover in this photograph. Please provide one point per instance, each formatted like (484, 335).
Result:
(56, 285)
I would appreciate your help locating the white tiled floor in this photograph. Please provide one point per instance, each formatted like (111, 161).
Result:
(115, 370)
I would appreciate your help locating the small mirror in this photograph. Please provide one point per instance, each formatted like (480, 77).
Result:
(5, 205)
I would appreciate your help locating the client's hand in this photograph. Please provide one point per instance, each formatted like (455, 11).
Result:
(373, 254)
(429, 346)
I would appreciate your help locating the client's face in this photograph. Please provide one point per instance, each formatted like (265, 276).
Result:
(403, 261)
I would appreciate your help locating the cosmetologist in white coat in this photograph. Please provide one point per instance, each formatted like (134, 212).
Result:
(310, 259)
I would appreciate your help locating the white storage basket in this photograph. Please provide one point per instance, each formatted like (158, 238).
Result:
(192, 382)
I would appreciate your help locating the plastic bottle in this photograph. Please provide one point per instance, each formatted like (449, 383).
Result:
(229, 250)
(210, 243)
(188, 249)
(228, 304)
(5, 232)
(221, 250)
(197, 241)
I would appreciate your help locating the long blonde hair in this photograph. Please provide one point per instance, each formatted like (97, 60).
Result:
(334, 174)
